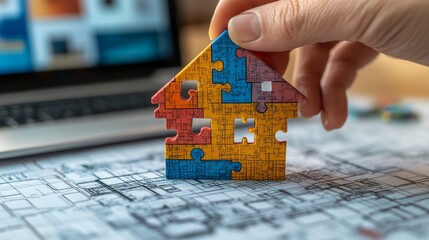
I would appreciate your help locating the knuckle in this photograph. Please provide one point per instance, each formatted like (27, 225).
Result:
(289, 19)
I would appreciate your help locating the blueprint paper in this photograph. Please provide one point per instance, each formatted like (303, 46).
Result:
(369, 180)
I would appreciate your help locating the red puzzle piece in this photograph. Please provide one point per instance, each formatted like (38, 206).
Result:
(181, 119)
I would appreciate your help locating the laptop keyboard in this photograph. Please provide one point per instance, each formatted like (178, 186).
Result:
(28, 113)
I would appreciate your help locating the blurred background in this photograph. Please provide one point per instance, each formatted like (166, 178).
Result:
(100, 61)
(385, 77)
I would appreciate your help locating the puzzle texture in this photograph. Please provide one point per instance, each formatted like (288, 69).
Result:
(232, 84)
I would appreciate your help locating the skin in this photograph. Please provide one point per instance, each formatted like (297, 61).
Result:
(335, 38)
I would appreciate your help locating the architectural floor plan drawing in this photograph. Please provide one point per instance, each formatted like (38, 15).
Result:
(369, 180)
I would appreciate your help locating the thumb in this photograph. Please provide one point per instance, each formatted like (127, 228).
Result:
(287, 24)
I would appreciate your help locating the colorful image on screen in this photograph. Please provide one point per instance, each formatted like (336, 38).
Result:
(52, 9)
(43, 35)
(15, 52)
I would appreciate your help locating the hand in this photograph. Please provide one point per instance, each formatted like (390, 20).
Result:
(336, 39)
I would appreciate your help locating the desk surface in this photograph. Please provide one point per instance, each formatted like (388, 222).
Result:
(369, 180)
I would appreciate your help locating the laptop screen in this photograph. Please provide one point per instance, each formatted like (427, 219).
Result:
(64, 35)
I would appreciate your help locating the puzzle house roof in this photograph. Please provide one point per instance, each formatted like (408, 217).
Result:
(232, 84)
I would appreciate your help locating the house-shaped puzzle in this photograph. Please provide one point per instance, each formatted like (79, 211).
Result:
(232, 84)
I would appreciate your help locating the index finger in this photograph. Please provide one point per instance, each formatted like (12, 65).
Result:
(226, 9)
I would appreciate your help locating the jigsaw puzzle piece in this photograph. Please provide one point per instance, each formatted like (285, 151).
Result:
(175, 100)
(267, 84)
(261, 170)
(260, 162)
(181, 120)
(268, 160)
(265, 158)
(273, 120)
(257, 70)
(281, 92)
(223, 120)
(233, 72)
(169, 97)
(201, 70)
(200, 169)
(241, 136)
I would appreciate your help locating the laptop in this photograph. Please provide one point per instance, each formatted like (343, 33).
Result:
(80, 73)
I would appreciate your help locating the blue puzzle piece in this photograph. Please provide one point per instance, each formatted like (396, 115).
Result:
(200, 169)
(234, 71)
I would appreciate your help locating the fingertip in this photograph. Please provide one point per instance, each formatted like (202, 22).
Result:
(211, 34)
(309, 69)
(334, 119)
(226, 10)
(214, 31)
(308, 109)
(244, 28)
(325, 121)
(312, 104)
(220, 19)
(330, 126)
(346, 59)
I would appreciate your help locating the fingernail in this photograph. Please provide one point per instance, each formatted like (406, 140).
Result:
(301, 103)
(245, 27)
(300, 109)
(326, 123)
(211, 35)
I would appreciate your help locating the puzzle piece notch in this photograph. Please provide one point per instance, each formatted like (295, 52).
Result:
(188, 89)
(201, 169)
(203, 137)
(181, 120)
(233, 72)
(199, 123)
(261, 107)
(242, 137)
(280, 136)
